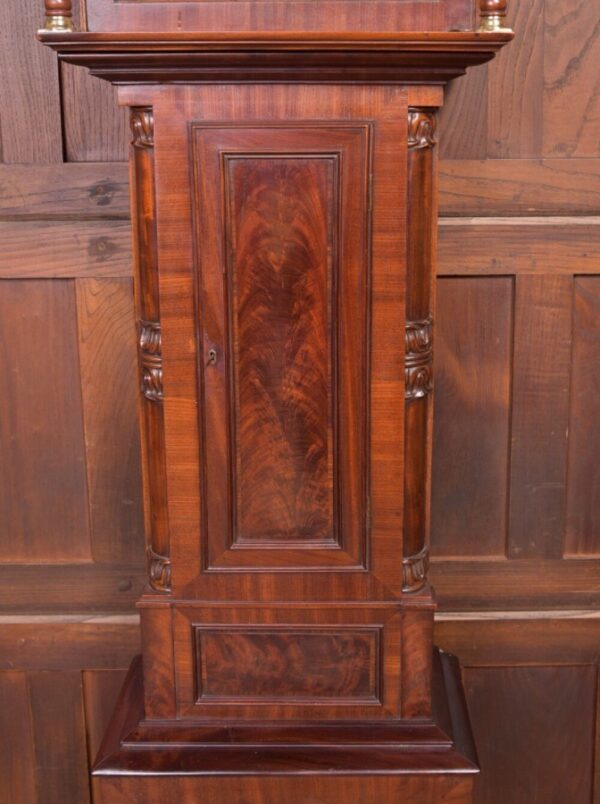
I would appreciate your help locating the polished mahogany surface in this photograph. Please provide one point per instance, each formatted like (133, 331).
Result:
(286, 245)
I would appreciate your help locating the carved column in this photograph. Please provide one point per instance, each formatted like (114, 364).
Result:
(150, 352)
(421, 238)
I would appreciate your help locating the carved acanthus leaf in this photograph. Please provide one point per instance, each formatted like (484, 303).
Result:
(414, 571)
(151, 361)
(421, 128)
(159, 571)
(142, 128)
(418, 371)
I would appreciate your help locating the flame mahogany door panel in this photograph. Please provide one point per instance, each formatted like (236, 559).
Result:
(283, 327)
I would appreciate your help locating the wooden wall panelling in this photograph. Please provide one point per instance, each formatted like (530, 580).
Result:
(30, 125)
(463, 125)
(108, 364)
(540, 415)
(534, 730)
(96, 128)
(571, 116)
(472, 376)
(101, 689)
(17, 782)
(468, 585)
(583, 491)
(93, 642)
(70, 587)
(58, 728)
(504, 246)
(43, 493)
(77, 190)
(516, 87)
(514, 187)
(70, 248)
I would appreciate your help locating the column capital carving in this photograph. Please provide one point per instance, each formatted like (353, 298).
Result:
(414, 571)
(159, 571)
(142, 127)
(421, 128)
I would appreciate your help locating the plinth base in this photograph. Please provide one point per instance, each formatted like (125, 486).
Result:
(424, 761)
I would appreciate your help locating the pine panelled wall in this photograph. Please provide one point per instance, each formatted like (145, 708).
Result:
(516, 478)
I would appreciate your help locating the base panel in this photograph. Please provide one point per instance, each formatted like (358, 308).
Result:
(418, 761)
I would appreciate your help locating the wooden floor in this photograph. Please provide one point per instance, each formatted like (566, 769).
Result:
(516, 495)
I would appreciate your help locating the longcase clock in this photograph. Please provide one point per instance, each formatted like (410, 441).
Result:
(283, 166)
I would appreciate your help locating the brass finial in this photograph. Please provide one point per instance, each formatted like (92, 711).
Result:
(59, 15)
(493, 16)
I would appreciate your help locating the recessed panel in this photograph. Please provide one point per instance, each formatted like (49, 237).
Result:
(287, 665)
(283, 276)
(282, 260)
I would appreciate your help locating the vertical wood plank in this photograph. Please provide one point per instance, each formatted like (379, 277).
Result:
(463, 117)
(534, 731)
(96, 128)
(100, 691)
(472, 352)
(540, 413)
(583, 490)
(516, 87)
(30, 125)
(572, 78)
(17, 761)
(43, 490)
(109, 389)
(60, 738)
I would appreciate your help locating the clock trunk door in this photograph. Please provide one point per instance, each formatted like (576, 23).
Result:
(297, 278)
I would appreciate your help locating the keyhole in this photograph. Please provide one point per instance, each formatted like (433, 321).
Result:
(212, 357)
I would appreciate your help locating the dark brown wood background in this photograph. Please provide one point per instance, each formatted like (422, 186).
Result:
(516, 500)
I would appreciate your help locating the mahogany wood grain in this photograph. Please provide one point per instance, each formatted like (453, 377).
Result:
(327, 107)
(282, 292)
(290, 365)
(430, 789)
(583, 495)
